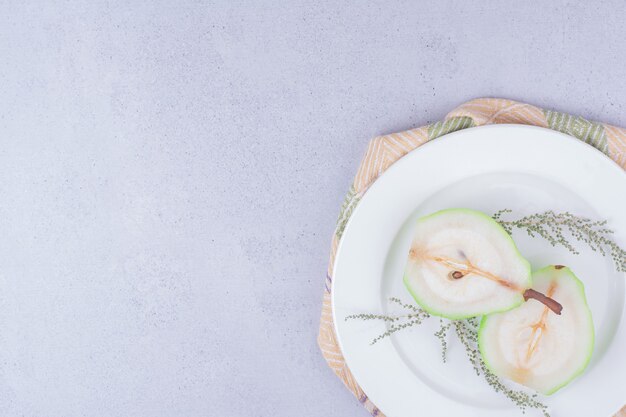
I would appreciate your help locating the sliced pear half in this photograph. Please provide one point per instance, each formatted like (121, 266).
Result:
(535, 348)
(462, 263)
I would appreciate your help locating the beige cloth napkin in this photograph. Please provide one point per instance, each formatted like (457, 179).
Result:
(383, 151)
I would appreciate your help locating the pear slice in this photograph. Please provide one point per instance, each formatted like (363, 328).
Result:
(462, 264)
(535, 348)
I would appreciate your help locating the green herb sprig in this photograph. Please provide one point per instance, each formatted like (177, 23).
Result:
(442, 335)
(467, 333)
(557, 227)
(414, 317)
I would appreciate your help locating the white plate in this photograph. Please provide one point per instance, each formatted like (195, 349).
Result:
(523, 168)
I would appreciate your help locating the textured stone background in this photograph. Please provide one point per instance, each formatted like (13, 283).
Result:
(170, 175)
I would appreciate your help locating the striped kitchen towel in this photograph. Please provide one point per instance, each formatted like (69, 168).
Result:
(383, 151)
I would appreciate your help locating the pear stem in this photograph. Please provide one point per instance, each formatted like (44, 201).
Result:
(553, 305)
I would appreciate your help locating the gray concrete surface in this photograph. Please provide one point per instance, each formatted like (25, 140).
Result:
(170, 175)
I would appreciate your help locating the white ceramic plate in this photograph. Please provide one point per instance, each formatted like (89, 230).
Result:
(523, 168)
